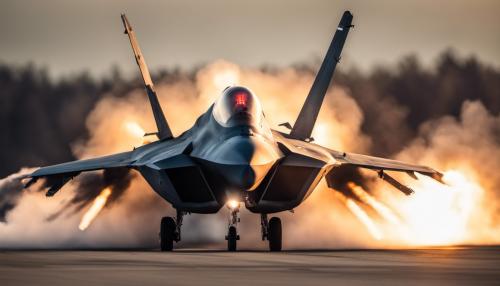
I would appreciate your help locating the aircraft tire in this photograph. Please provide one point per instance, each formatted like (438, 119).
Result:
(167, 234)
(232, 237)
(274, 234)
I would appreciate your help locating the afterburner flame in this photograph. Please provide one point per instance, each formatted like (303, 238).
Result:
(97, 205)
(134, 128)
(363, 217)
(378, 206)
(439, 214)
(436, 214)
(136, 131)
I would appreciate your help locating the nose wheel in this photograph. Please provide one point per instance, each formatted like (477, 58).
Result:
(232, 233)
(271, 230)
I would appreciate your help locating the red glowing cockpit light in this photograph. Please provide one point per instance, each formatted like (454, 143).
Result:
(236, 106)
(240, 99)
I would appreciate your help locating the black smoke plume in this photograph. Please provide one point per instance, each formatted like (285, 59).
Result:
(89, 186)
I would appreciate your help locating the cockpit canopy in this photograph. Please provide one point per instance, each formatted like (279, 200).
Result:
(237, 106)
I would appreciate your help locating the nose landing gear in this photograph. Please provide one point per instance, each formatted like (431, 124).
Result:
(232, 234)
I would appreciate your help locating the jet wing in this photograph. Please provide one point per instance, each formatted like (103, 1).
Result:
(377, 163)
(381, 164)
(105, 162)
(58, 175)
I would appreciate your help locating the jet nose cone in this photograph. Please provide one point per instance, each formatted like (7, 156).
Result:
(242, 177)
(245, 160)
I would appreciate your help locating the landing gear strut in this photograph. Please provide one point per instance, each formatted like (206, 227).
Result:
(232, 232)
(264, 226)
(271, 230)
(170, 231)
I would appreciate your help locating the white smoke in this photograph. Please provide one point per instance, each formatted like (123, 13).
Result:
(323, 221)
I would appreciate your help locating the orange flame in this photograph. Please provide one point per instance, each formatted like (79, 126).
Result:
(439, 214)
(361, 215)
(97, 205)
(134, 129)
(378, 206)
(436, 214)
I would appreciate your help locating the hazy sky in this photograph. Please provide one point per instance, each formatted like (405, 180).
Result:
(69, 36)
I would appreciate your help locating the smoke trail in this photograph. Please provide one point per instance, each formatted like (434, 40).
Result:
(11, 192)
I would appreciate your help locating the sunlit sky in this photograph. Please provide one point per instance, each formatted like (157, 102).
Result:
(71, 36)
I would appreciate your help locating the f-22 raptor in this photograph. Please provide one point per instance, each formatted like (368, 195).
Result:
(231, 156)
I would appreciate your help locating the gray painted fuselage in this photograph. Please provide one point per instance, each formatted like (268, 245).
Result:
(210, 163)
(231, 153)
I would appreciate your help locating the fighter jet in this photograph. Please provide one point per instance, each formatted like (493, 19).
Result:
(232, 157)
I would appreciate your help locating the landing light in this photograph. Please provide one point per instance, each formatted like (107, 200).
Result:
(233, 204)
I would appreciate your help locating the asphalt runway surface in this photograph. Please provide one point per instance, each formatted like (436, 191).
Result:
(451, 266)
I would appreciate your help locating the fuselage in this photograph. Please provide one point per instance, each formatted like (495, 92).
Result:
(231, 152)
(236, 141)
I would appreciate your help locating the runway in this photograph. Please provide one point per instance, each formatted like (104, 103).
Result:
(452, 266)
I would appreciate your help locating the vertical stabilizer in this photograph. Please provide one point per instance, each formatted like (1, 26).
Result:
(164, 131)
(304, 124)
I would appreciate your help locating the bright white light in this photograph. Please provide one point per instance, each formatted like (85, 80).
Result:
(233, 204)
(134, 129)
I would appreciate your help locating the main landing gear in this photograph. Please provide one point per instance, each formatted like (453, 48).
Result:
(271, 230)
(170, 231)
